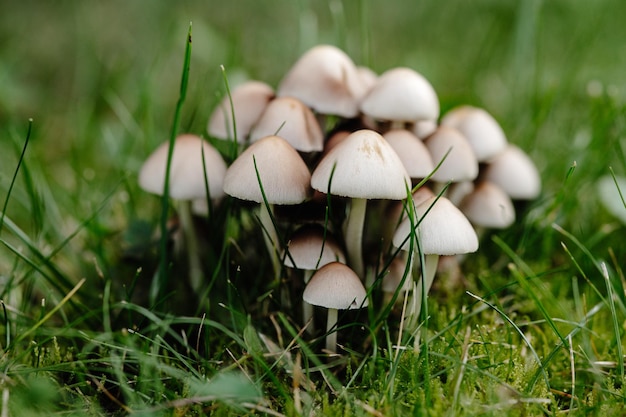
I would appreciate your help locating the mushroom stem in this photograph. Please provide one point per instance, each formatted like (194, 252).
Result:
(191, 244)
(331, 337)
(354, 235)
(270, 237)
(307, 309)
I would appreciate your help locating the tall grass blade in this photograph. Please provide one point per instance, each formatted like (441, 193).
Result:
(614, 319)
(17, 169)
(235, 141)
(159, 281)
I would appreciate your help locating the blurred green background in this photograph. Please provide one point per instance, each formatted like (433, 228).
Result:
(101, 79)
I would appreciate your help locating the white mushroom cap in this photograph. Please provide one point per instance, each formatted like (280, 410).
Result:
(460, 163)
(488, 206)
(293, 121)
(401, 94)
(458, 190)
(284, 175)
(310, 249)
(514, 172)
(424, 128)
(186, 180)
(480, 128)
(609, 188)
(365, 166)
(443, 229)
(249, 102)
(396, 212)
(325, 79)
(368, 79)
(412, 152)
(334, 139)
(336, 286)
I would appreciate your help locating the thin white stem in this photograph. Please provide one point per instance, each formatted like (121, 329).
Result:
(270, 237)
(430, 270)
(331, 337)
(354, 235)
(196, 275)
(307, 309)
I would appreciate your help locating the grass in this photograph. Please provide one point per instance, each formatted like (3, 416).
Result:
(535, 325)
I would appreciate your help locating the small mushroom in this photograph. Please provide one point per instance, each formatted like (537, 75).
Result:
(336, 287)
(310, 248)
(273, 164)
(193, 159)
(480, 128)
(249, 100)
(440, 229)
(488, 206)
(326, 79)
(515, 173)
(293, 121)
(400, 96)
(412, 152)
(460, 162)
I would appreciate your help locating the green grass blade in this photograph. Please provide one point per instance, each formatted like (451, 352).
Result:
(17, 169)
(56, 308)
(160, 279)
(235, 142)
(614, 319)
(544, 373)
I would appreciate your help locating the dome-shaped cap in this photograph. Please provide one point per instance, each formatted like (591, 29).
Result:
(488, 206)
(187, 169)
(443, 229)
(336, 286)
(514, 172)
(480, 128)
(290, 119)
(325, 79)
(412, 152)
(460, 163)
(249, 101)
(310, 248)
(403, 95)
(284, 175)
(363, 165)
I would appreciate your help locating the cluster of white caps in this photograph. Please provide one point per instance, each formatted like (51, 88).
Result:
(387, 135)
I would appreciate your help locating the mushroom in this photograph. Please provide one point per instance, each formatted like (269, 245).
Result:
(310, 248)
(611, 189)
(326, 79)
(362, 166)
(336, 287)
(193, 161)
(412, 152)
(488, 206)
(483, 132)
(249, 100)
(460, 163)
(440, 229)
(269, 170)
(293, 121)
(515, 173)
(400, 96)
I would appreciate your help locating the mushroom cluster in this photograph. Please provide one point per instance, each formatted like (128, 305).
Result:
(387, 178)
